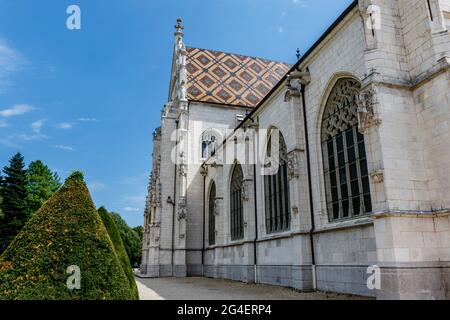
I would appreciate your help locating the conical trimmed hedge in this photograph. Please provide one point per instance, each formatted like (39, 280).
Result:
(66, 231)
(117, 242)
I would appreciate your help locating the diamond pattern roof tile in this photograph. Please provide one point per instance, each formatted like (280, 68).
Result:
(230, 79)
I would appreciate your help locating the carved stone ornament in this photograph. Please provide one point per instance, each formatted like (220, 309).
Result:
(293, 171)
(367, 109)
(341, 111)
(245, 191)
(183, 170)
(217, 203)
(182, 213)
(182, 209)
(377, 176)
(204, 170)
(157, 201)
(182, 167)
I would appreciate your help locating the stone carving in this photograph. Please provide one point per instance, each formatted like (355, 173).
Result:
(183, 92)
(182, 209)
(292, 162)
(157, 201)
(367, 104)
(183, 170)
(377, 176)
(182, 167)
(204, 170)
(217, 203)
(245, 191)
(182, 213)
(342, 108)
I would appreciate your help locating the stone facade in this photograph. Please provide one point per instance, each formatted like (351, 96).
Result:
(398, 52)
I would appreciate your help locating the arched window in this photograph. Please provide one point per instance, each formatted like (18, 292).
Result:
(236, 204)
(276, 188)
(212, 214)
(344, 154)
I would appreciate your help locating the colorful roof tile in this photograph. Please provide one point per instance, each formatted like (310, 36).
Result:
(230, 79)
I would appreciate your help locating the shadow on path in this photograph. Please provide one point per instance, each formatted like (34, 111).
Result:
(217, 289)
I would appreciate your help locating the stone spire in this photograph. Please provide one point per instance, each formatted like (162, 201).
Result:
(179, 28)
(180, 53)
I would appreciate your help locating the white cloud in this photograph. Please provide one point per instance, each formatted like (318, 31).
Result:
(27, 137)
(87, 119)
(37, 125)
(14, 139)
(139, 200)
(66, 148)
(95, 186)
(302, 3)
(133, 180)
(280, 29)
(8, 143)
(132, 209)
(16, 110)
(65, 125)
(10, 61)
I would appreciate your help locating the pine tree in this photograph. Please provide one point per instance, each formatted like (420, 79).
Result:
(14, 208)
(42, 184)
(1, 199)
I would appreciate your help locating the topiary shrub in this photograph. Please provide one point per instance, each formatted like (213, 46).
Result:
(66, 231)
(131, 239)
(117, 242)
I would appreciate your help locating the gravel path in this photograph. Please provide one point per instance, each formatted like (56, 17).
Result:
(215, 289)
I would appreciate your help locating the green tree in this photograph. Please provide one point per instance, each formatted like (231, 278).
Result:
(139, 230)
(42, 183)
(66, 231)
(117, 242)
(1, 199)
(13, 192)
(130, 238)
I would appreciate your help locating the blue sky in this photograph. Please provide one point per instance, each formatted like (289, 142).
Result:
(90, 99)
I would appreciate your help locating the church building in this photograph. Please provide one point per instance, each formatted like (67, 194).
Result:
(331, 174)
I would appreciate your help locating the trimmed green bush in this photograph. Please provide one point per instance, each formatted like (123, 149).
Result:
(131, 239)
(117, 242)
(66, 231)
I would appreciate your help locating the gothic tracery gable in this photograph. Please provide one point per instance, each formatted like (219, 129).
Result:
(341, 111)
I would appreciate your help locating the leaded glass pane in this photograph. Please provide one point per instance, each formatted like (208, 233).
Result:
(345, 163)
(276, 187)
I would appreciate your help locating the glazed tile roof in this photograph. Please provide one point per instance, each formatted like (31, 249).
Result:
(230, 79)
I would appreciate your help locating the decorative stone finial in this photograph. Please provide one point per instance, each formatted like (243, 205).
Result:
(179, 27)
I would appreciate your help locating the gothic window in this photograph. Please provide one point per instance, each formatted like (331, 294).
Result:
(276, 189)
(211, 214)
(236, 204)
(344, 154)
(210, 143)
